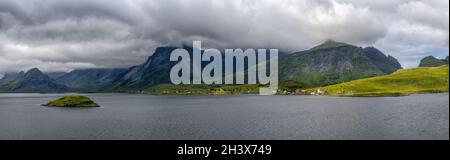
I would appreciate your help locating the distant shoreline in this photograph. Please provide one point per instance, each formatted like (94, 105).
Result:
(187, 95)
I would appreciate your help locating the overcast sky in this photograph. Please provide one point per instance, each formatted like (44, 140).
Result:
(61, 35)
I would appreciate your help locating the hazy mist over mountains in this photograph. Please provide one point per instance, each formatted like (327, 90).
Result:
(63, 35)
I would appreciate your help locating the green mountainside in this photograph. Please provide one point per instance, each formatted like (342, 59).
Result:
(335, 62)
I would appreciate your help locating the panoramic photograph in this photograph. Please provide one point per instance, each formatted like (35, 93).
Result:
(224, 70)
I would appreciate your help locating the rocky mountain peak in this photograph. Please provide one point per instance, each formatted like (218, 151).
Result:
(329, 44)
(34, 72)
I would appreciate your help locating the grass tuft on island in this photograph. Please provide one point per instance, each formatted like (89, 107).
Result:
(72, 101)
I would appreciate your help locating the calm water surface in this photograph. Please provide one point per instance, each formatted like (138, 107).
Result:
(242, 117)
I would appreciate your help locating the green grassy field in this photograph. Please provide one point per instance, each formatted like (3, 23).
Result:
(402, 82)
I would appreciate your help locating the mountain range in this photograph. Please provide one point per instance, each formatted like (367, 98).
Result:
(32, 81)
(328, 63)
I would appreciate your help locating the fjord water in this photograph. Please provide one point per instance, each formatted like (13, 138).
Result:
(242, 117)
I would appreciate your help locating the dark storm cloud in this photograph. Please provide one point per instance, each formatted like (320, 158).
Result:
(11, 13)
(60, 35)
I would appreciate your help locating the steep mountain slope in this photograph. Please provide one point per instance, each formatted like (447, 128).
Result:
(32, 81)
(89, 80)
(335, 62)
(431, 61)
(387, 64)
(155, 70)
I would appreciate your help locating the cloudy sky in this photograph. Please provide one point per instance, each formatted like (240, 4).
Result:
(61, 35)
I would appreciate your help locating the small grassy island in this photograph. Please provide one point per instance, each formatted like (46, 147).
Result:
(72, 101)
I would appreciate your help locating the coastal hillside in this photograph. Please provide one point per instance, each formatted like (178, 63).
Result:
(402, 82)
(335, 62)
